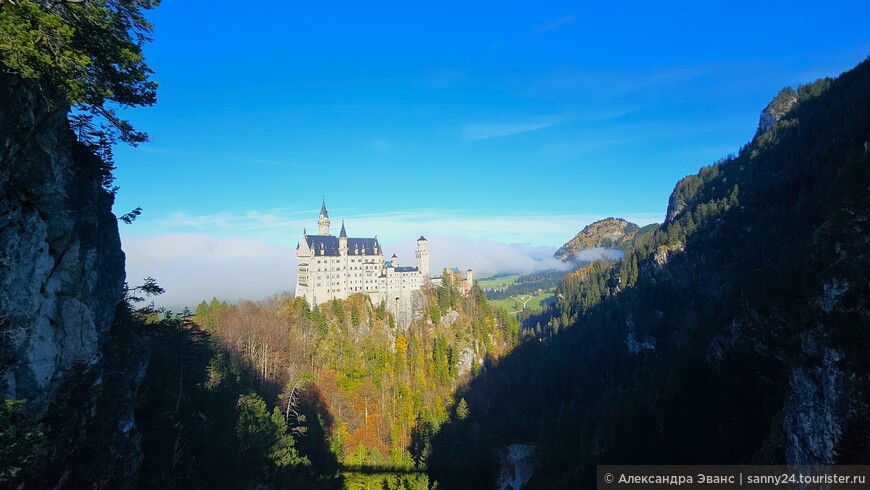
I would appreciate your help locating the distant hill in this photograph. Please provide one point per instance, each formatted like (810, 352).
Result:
(608, 233)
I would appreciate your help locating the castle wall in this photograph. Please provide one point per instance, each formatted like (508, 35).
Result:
(323, 276)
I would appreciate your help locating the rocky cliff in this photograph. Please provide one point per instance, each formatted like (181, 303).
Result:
(61, 277)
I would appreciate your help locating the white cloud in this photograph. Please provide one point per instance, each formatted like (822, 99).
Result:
(598, 253)
(192, 267)
(486, 257)
(555, 25)
(285, 227)
(480, 131)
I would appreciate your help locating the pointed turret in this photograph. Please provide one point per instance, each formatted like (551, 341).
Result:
(323, 221)
(342, 240)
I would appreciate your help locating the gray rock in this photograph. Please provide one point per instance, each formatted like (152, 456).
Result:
(784, 101)
(816, 412)
(63, 265)
(61, 277)
(516, 465)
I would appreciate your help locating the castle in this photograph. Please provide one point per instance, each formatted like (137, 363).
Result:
(330, 267)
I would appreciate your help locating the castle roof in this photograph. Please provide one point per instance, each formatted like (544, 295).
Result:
(323, 210)
(343, 233)
(422, 239)
(405, 269)
(329, 245)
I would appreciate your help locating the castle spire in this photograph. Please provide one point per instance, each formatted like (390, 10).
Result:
(323, 220)
(343, 233)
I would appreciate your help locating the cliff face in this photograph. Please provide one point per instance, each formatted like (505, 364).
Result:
(61, 277)
(63, 268)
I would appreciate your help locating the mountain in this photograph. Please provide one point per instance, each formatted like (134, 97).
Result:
(609, 233)
(735, 332)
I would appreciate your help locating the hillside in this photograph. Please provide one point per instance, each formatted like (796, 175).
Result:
(736, 332)
(609, 233)
(372, 391)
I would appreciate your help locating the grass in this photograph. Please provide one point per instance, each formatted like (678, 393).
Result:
(531, 302)
(497, 282)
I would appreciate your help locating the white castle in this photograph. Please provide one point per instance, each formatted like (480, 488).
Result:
(331, 267)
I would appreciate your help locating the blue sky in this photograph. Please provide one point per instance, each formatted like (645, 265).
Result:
(483, 125)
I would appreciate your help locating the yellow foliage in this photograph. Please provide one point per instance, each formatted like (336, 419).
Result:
(401, 344)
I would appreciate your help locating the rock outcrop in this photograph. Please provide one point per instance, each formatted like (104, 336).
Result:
(784, 101)
(63, 268)
(61, 277)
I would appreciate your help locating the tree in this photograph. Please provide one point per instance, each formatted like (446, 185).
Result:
(354, 316)
(462, 410)
(291, 397)
(91, 51)
(262, 433)
(435, 313)
(441, 359)
(20, 440)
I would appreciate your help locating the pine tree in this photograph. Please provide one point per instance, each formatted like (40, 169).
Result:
(462, 410)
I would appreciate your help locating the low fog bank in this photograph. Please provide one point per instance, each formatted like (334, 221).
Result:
(598, 253)
(486, 257)
(192, 267)
(196, 267)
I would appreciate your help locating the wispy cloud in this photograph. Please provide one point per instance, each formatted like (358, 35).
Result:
(555, 25)
(222, 156)
(277, 163)
(581, 147)
(620, 82)
(400, 228)
(481, 131)
(381, 145)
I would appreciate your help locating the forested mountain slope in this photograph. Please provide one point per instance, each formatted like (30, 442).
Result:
(738, 332)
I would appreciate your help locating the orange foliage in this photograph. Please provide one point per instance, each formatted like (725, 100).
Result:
(402, 344)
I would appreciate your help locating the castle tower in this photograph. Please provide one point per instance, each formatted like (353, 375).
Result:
(303, 269)
(342, 240)
(394, 261)
(323, 221)
(422, 255)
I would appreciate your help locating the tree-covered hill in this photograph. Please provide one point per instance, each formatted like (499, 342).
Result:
(609, 234)
(370, 392)
(736, 332)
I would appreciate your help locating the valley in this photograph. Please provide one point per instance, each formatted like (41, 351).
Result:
(722, 319)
